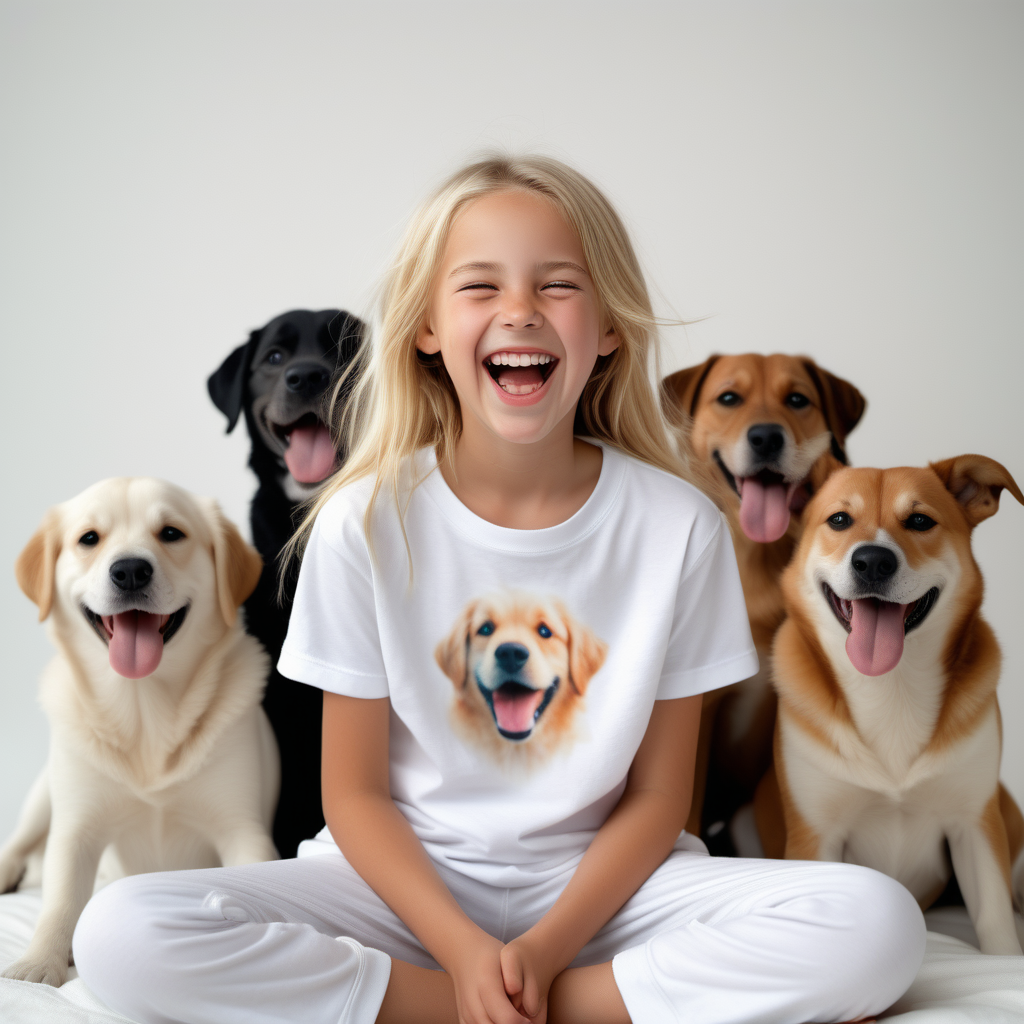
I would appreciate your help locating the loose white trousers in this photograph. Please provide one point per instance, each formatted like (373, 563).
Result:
(704, 941)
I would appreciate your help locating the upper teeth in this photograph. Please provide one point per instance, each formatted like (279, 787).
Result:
(520, 358)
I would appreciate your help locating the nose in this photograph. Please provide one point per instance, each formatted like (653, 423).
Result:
(766, 439)
(873, 563)
(519, 311)
(511, 657)
(307, 379)
(131, 573)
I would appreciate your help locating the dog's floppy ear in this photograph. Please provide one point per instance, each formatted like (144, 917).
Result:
(451, 653)
(346, 332)
(842, 404)
(586, 652)
(226, 384)
(976, 482)
(236, 564)
(35, 566)
(680, 391)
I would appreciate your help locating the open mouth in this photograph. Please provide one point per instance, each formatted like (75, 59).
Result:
(767, 500)
(877, 628)
(520, 373)
(308, 449)
(135, 639)
(516, 708)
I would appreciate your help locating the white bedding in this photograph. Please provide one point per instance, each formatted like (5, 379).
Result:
(956, 985)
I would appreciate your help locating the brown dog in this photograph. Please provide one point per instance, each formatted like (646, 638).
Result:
(520, 665)
(888, 740)
(761, 434)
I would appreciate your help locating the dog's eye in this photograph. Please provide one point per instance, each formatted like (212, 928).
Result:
(919, 521)
(729, 398)
(797, 401)
(275, 357)
(840, 521)
(171, 534)
(89, 539)
(543, 630)
(486, 629)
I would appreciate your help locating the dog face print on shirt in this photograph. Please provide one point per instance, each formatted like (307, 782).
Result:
(520, 665)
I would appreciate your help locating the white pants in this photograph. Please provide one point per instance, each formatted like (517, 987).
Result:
(704, 941)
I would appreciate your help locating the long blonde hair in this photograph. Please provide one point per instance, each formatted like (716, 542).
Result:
(397, 400)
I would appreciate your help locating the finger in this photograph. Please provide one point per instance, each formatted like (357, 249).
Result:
(501, 1011)
(531, 996)
(511, 971)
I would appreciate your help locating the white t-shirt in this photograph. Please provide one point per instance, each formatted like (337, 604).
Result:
(522, 665)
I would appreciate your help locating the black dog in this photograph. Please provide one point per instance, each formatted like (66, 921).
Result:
(280, 379)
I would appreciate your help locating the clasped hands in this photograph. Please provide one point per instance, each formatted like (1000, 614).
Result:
(502, 983)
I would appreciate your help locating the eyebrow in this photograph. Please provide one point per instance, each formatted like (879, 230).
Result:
(495, 267)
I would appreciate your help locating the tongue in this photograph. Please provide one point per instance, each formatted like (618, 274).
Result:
(520, 380)
(764, 510)
(875, 643)
(514, 708)
(310, 454)
(136, 645)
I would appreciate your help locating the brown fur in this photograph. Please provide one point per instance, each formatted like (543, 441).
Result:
(957, 494)
(704, 426)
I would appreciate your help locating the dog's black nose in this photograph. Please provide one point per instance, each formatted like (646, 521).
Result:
(873, 563)
(308, 379)
(131, 573)
(766, 439)
(511, 657)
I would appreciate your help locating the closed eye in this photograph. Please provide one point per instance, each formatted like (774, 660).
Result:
(477, 286)
(561, 284)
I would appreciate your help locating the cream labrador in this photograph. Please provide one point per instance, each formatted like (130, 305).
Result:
(160, 753)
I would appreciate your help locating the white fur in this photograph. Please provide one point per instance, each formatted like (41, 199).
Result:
(175, 770)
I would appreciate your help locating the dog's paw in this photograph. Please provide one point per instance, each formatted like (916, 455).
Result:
(51, 971)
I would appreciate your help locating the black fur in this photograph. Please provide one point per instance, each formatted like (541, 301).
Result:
(328, 338)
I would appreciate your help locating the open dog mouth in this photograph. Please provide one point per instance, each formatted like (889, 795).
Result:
(520, 373)
(135, 639)
(308, 449)
(516, 708)
(767, 499)
(877, 628)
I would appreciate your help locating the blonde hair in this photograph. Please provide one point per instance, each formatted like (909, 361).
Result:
(402, 401)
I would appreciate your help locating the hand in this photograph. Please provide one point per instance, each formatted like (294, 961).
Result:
(480, 993)
(527, 978)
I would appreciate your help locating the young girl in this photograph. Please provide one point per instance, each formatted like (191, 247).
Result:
(513, 604)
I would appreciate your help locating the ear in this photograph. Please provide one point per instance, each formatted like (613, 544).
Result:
(346, 332)
(976, 481)
(586, 652)
(35, 566)
(842, 404)
(226, 385)
(451, 653)
(680, 391)
(236, 563)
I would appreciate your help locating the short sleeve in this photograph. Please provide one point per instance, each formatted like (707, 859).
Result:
(710, 643)
(333, 641)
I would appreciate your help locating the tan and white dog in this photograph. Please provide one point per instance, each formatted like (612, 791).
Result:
(520, 665)
(160, 753)
(760, 435)
(888, 739)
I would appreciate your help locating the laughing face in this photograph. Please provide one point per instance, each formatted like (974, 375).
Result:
(520, 666)
(515, 317)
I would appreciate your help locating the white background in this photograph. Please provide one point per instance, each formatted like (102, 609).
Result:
(839, 179)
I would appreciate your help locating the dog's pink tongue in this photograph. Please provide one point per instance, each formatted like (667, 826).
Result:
(137, 645)
(514, 712)
(764, 510)
(875, 643)
(310, 454)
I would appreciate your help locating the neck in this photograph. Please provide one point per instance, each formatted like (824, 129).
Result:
(523, 486)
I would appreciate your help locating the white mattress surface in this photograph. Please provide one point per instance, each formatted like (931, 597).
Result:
(956, 985)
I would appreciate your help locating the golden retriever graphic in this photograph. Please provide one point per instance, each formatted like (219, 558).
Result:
(520, 665)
